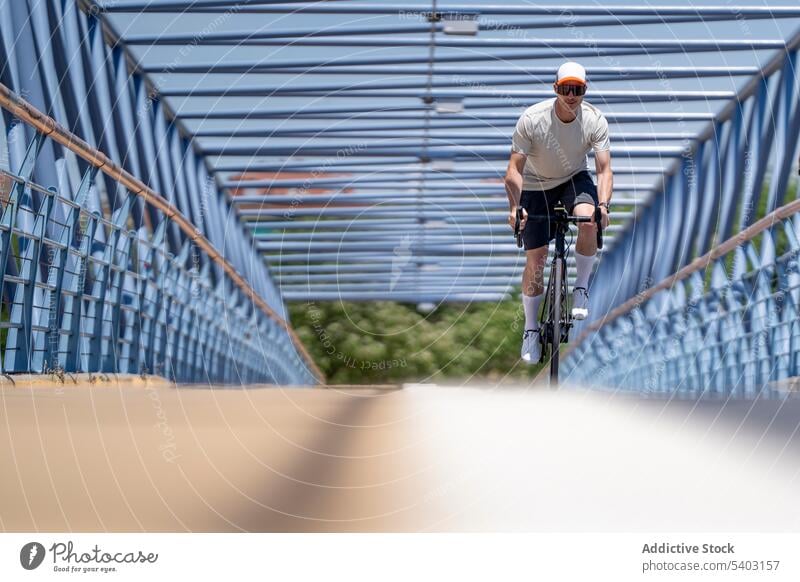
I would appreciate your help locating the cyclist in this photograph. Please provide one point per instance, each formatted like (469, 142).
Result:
(549, 164)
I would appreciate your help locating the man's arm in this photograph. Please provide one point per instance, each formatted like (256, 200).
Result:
(605, 180)
(513, 182)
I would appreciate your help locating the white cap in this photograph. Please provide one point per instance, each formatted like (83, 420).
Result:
(570, 71)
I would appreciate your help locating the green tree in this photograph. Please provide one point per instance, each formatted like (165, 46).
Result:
(379, 342)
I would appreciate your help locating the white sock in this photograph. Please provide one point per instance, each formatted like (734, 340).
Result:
(584, 266)
(531, 306)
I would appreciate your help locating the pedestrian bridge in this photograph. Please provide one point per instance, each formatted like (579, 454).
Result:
(168, 187)
(174, 172)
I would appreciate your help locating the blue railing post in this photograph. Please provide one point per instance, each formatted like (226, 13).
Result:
(76, 287)
(115, 258)
(20, 339)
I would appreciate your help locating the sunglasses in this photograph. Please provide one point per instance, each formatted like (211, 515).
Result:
(576, 90)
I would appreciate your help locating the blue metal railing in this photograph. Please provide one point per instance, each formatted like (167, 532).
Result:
(734, 334)
(83, 293)
(120, 252)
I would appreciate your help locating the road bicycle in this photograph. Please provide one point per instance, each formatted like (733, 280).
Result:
(555, 320)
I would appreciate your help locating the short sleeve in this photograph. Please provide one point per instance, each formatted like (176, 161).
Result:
(521, 142)
(600, 140)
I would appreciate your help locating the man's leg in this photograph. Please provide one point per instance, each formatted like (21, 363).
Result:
(532, 285)
(586, 248)
(532, 294)
(582, 194)
(536, 237)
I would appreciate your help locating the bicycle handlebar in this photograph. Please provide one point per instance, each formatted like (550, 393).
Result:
(563, 218)
(559, 218)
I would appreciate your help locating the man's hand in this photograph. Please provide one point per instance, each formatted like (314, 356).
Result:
(512, 219)
(604, 217)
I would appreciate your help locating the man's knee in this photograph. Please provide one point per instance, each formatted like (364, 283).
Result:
(583, 209)
(536, 257)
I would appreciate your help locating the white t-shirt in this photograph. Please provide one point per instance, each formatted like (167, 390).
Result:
(556, 150)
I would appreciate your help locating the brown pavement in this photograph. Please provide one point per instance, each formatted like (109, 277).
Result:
(424, 458)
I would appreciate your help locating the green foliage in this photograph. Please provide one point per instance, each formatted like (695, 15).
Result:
(385, 342)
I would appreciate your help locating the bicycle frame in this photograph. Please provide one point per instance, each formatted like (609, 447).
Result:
(555, 320)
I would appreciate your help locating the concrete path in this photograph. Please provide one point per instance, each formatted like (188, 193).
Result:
(424, 458)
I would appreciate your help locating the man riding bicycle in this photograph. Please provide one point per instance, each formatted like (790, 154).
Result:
(549, 164)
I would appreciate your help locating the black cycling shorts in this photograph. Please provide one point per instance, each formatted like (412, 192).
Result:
(578, 189)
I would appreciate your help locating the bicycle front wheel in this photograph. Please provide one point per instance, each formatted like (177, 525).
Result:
(555, 339)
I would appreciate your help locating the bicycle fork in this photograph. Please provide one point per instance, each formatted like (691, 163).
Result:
(556, 322)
